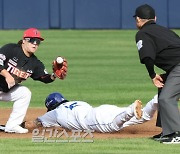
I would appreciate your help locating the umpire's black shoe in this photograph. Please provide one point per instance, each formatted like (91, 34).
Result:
(159, 137)
(172, 139)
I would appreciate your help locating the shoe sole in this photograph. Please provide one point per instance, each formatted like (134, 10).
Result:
(160, 139)
(15, 132)
(12, 131)
(170, 142)
(138, 109)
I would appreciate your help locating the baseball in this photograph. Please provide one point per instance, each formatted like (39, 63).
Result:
(59, 60)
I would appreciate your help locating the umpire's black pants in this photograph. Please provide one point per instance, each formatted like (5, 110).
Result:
(169, 115)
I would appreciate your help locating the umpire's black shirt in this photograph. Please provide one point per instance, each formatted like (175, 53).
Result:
(160, 44)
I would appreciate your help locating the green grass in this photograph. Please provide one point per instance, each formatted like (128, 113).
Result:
(103, 67)
(99, 146)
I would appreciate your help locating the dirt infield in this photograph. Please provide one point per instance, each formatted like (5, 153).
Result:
(147, 129)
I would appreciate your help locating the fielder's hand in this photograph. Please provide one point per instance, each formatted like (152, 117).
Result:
(60, 68)
(9, 78)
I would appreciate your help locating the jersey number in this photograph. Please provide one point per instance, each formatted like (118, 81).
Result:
(71, 106)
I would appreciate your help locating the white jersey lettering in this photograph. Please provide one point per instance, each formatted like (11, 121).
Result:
(71, 106)
(17, 72)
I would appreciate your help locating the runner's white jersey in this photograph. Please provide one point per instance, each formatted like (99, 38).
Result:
(69, 115)
(80, 115)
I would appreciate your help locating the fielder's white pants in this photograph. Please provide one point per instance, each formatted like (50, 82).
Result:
(21, 97)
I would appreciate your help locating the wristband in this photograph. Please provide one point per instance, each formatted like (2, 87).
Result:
(53, 76)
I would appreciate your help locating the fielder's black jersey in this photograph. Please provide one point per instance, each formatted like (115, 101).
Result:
(160, 44)
(21, 67)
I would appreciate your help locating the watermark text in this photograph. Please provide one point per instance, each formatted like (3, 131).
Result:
(52, 135)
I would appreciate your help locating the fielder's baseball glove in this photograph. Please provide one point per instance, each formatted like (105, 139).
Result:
(60, 69)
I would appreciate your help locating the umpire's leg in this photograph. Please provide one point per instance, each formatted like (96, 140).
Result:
(168, 103)
(158, 120)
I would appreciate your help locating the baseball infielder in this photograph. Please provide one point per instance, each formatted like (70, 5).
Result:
(79, 115)
(17, 64)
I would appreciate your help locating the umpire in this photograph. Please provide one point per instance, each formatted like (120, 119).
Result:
(159, 46)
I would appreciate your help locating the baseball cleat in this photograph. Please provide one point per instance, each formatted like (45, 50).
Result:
(16, 129)
(2, 128)
(138, 109)
(159, 137)
(172, 139)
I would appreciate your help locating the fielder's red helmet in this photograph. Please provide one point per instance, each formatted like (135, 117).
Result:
(32, 33)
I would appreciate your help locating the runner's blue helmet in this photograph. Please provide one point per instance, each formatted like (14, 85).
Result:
(53, 100)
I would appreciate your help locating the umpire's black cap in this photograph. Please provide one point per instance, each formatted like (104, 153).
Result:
(145, 12)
